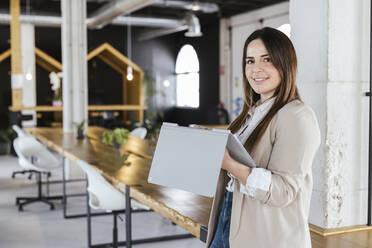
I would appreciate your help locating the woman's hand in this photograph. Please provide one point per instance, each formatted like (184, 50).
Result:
(226, 161)
(238, 170)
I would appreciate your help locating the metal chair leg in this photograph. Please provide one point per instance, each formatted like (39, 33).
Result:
(22, 201)
(115, 232)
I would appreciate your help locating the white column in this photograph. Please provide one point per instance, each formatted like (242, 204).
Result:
(333, 55)
(74, 52)
(28, 68)
(74, 61)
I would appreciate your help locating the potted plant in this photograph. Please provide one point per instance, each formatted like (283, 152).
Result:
(55, 81)
(57, 100)
(115, 137)
(5, 139)
(154, 114)
(80, 130)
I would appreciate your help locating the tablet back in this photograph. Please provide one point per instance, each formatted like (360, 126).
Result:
(188, 158)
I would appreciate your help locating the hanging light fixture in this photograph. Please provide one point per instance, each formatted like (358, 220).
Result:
(129, 51)
(129, 73)
(193, 26)
(29, 75)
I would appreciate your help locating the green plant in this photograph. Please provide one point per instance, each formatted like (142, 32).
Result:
(152, 123)
(118, 135)
(80, 126)
(6, 135)
(149, 85)
(57, 97)
(154, 114)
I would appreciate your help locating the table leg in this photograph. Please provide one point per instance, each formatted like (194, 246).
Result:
(89, 226)
(64, 187)
(128, 217)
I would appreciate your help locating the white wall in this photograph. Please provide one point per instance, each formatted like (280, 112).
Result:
(333, 51)
(309, 37)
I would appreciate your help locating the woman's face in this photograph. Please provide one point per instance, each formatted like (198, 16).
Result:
(262, 76)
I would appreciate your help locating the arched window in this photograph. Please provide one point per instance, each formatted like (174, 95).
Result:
(187, 70)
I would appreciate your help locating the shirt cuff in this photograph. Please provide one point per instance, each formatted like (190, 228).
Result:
(231, 183)
(259, 178)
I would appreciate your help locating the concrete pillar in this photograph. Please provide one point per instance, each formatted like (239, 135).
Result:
(333, 55)
(15, 45)
(28, 68)
(74, 52)
(74, 61)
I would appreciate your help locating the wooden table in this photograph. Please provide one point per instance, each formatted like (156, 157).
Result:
(188, 210)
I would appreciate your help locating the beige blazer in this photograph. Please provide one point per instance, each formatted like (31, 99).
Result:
(277, 218)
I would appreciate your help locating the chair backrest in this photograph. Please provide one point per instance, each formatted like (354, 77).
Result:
(19, 131)
(24, 158)
(33, 155)
(140, 132)
(102, 194)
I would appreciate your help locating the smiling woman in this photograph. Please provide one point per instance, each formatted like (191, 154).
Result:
(267, 206)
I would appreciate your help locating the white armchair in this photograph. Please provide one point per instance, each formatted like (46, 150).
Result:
(104, 196)
(140, 132)
(36, 158)
(21, 133)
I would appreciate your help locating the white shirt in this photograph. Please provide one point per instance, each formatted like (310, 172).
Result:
(259, 178)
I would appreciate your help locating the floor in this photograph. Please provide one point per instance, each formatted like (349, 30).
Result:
(38, 227)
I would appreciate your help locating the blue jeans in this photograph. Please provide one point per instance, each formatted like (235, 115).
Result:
(221, 237)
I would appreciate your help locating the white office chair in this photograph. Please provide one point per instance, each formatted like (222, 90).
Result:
(104, 196)
(34, 157)
(20, 133)
(140, 132)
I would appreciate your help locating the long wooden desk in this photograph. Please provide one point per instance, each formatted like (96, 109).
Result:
(186, 209)
(183, 208)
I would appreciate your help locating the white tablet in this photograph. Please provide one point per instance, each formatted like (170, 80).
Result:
(190, 159)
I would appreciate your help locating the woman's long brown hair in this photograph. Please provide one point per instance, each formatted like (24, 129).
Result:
(283, 57)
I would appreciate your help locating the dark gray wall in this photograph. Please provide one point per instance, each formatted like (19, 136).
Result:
(207, 49)
(105, 84)
(5, 88)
